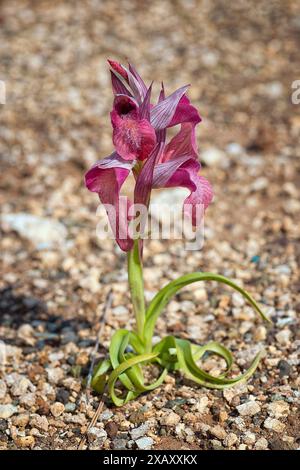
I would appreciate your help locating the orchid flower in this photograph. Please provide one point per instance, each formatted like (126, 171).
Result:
(139, 137)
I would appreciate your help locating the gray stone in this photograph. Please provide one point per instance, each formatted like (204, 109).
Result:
(144, 443)
(96, 437)
(120, 444)
(250, 408)
(6, 411)
(140, 431)
(42, 232)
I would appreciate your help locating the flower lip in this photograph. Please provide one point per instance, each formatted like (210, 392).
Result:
(124, 105)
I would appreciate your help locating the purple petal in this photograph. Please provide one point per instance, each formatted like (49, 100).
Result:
(183, 172)
(106, 178)
(119, 68)
(118, 86)
(144, 109)
(145, 178)
(185, 112)
(141, 84)
(163, 112)
(183, 143)
(161, 93)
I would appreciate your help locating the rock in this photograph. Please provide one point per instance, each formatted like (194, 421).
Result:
(249, 438)
(120, 444)
(96, 437)
(170, 419)
(201, 405)
(214, 157)
(24, 441)
(55, 374)
(260, 333)
(261, 444)
(218, 431)
(169, 199)
(274, 89)
(237, 300)
(278, 444)
(57, 409)
(28, 399)
(145, 443)
(106, 415)
(230, 439)
(75, 419)
(285, 369)
(42, 232)
(6, 411)
(20, 385)
(217, 445)
(26, 334)
(278, 409)
(21, 420)
(283, 337)
(112, 429)
(259, 184)
(3, 425)
(139, 432)
(70, 407)
(43, 405)
(234, 149)
(274, 425)
(250, 408)
(56, 356)
(3, 389)
(39, 422)
(62, 395)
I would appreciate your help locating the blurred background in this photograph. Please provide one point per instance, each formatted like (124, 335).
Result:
(241, 58)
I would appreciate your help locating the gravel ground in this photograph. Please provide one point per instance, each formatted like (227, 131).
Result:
(56, 275)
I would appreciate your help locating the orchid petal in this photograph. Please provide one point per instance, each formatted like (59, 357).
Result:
(118, 86)
(183, 172)
(162, 93)
(106, 178)
(185, 112)
(145, 178)
(144, 109)
(119, 68)
(163, 112)
(183, 143)
(138, 80)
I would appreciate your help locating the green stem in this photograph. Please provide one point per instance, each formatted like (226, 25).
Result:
(136, 285)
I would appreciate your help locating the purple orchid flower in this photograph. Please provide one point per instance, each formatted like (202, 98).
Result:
(139, 137)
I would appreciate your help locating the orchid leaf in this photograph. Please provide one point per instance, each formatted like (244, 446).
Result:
(192, 371)
(164, 295)
(100, 375)
(119, 371)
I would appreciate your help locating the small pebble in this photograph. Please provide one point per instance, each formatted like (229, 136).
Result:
(6, 411)
(57, 409)
(261, 444)
(250, 408)
(170, 419)
(145, 443)
(139, 432)
(274, 424)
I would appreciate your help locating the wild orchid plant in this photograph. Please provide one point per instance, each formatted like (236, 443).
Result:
(139, 138)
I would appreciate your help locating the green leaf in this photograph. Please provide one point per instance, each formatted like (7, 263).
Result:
(192, 371)
(100, 375)
(163, 296)
(119, 371)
